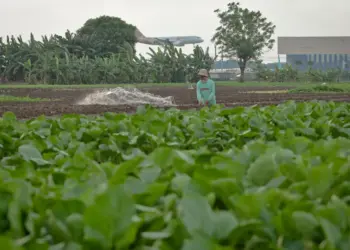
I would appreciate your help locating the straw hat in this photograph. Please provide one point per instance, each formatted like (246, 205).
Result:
(203, 72)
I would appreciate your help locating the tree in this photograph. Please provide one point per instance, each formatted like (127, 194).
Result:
(199, 59)
(107, 34)
(243, 34)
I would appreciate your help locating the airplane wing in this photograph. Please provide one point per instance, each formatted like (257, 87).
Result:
(168, 41)
(158, 41)
(150, 41)
(163, 42)
(178, 43)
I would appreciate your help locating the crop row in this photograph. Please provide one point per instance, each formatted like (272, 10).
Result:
(275, 177)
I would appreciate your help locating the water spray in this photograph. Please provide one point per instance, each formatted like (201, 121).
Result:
(123, 96)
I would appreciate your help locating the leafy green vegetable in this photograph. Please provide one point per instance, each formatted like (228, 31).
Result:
(275, 177)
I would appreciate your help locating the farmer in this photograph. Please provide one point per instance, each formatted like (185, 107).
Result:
(205, 89)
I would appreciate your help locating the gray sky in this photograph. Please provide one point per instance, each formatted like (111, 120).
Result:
(174, 18)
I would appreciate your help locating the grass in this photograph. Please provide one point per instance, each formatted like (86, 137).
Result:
(9, 98)
(265, 92)
(219, 83)
(330, 88)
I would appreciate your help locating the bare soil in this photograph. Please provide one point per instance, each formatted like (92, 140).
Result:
(64, 100)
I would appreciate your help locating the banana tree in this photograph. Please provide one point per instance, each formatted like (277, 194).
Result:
(142, 69)
(69, 59)
(161, 66)
(199, 59)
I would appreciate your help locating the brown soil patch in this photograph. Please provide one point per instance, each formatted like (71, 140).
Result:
(184, 98)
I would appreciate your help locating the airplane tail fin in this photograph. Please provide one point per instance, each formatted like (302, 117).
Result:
(138, 34)
(141, 38)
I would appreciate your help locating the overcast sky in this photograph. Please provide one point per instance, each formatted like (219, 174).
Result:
(174, 18)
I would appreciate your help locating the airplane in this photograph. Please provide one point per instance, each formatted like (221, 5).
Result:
(181, 40)
(175, 40)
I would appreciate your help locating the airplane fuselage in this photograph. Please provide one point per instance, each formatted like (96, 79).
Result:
(175, 40)
(180, 40)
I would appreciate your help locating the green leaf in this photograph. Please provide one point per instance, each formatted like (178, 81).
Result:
(320, 179)
(73, 246)
(305, 222)
(195, 213)
(109, 216)
(224, 222)
(198, 242)
(129, 236)
(8, 244)
(331, 231)
(30, 153)
(149, 175)
(57, 228)
(262, 170)
(9, 116)
(75, 224)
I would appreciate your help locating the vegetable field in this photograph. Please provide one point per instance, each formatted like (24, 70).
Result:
(274, 177)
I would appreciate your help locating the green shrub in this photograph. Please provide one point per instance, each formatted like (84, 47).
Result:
(322, 88)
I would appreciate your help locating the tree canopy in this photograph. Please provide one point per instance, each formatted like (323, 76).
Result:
(243, 34)
(107, 34)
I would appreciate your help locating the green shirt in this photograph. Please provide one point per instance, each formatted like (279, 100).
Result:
(206, 92)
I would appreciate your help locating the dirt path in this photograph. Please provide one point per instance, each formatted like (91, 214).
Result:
(65, 99)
